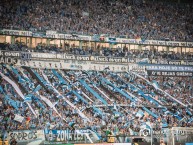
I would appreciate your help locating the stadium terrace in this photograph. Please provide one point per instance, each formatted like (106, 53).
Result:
(96, 72)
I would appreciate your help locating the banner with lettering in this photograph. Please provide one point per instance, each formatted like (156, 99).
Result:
(9, 57)
(66, 135)
(57, 35)
(171, 62)
(25, 137)
(169, 73)
(12, 56)
(169, 68)
(154, 42)
(16, 32)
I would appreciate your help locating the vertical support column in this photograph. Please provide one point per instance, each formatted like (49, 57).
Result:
(111, 45)
(60, 44)
(30, 42)
(36, 42)
(12, 39)
(167, 48)
(139, 47)
(80, 44)
(48, 42)
(94, 46)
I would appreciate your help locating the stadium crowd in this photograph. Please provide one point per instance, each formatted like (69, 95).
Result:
(143, 19)
(100, 101)
(120, 102)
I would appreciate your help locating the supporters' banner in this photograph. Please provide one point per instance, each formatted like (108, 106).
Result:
(18, 118)
(171, 62)
(16, 32)
(43, 55)
(35, 55)
(155, 42)
(124, 40)
(167, 73)
(9, 57)
(9, 53)
(50, 32)
(136, 68)
(25, 137)
(8, 60)
(25, 56)
(109, 59)
(68, 36)
(169, 68)
(66, 135)
(75, 65)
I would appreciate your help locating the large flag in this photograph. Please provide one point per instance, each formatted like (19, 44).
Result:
(17, 90)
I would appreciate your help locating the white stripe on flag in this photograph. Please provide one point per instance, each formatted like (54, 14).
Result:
(17, 90)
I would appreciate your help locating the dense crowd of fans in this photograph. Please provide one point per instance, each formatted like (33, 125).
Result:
(120, 102)
(134, 18)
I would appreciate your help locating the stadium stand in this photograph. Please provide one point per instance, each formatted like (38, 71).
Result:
(140, 18)
(75, 97)
(123, 106)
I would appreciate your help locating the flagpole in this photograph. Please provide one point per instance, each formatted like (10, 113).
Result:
(191, 85)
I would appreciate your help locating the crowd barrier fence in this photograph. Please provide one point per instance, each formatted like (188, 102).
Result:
(172, 136)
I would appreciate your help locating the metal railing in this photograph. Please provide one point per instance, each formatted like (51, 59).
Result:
(170, 136)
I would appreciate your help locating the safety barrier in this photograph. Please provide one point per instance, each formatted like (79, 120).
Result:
(173, 136)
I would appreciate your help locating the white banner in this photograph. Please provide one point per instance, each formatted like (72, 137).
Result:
(75, 65)
(155, 42)
(68, 36)
(16, 32)
(27, 137)
(18, 118)
(50, 32)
